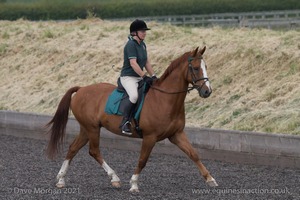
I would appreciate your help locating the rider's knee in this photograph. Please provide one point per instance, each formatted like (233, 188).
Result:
(133, 98)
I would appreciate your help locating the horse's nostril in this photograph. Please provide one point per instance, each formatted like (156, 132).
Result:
(206, 92)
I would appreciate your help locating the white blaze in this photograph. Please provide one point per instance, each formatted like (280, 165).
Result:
(204, 72)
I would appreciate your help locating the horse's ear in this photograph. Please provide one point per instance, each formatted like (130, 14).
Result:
(194, 53)
(202, 50)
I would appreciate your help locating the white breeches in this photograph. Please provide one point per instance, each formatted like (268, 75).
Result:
(130, 83)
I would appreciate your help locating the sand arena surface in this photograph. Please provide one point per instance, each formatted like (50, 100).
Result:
(254, 72)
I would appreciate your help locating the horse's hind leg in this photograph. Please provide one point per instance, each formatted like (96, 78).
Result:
(94, 137)
(181, 140)
(76, 145)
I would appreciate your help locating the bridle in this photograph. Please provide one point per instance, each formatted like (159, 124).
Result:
(192, 71)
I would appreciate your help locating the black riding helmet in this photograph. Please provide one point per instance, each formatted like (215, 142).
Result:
(138, 25)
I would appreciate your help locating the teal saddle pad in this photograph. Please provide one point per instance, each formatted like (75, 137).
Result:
(113, 104)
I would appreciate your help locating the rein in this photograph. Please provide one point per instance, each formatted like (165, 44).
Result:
(194, 80)
(166, 92)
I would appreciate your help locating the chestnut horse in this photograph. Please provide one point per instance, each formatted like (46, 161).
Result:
(162, 116)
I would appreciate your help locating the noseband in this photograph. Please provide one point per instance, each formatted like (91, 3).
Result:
(191, 70)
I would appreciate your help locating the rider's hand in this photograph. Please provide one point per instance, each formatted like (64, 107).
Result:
(148, 80)
(154, 77)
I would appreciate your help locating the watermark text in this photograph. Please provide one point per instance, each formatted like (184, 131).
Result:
(223, 191)
(19, 190)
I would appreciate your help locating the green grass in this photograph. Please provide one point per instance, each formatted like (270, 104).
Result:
(234, 97)
(3, 107)
(73, 9)
(3, 48)
(48, 34)
(227, 80)
(5, 35)
(237, 112)
(294, 68)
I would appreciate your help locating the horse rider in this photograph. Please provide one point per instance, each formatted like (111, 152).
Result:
(135, 60)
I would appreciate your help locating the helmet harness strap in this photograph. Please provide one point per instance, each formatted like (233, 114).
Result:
(136, 33)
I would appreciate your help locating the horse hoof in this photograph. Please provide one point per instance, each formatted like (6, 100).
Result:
(212, 182)
(59, 185)
(116, 184)
(132, 190)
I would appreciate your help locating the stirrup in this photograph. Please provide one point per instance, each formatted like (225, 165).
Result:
(125, 129)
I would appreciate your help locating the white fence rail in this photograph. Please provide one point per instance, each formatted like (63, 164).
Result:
(268, 19)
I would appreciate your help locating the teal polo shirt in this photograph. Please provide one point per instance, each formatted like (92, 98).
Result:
(132, 50)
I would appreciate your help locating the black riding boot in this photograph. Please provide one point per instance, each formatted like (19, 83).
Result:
(126, 122)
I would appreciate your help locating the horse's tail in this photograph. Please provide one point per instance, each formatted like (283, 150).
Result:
(58, 124)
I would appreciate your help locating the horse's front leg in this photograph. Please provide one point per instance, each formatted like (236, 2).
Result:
(147, 146)
(180, 139)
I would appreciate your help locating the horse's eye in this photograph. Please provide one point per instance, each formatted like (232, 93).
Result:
(196, 68)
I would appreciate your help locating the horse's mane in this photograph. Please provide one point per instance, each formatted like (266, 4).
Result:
(174, 64)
